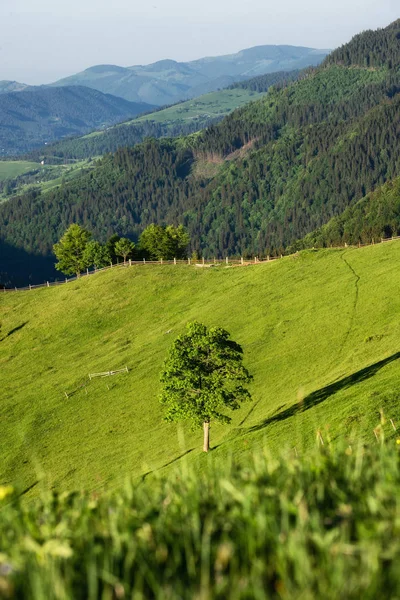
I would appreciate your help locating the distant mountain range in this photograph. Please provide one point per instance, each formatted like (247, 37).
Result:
(168, 81)
(35, 116)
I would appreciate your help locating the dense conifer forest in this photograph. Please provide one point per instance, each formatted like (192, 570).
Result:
(267, 175)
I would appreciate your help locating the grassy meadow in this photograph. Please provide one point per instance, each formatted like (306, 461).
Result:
(43, 177)
(13, 168)
(320, 332)
(211, 105)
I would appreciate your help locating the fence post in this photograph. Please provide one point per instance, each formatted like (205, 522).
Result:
(144, 261)
(281, 255)
(255, 259)
(203, 260)
(214, 260)
(30, 287)
(189, 262)
(66, 280)
(241, 260)
(15, 289)
(87, 271)
(227, 261)
(268, 258)
(130, 262)
(48, 285)
(174, 261)
(111, 265)
(161, 260)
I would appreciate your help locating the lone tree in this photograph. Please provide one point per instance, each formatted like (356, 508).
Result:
(124, 248)
(202, 375)
(70, 250)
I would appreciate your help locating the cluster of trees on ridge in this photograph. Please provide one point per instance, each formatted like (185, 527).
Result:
(77, 251)
(282, 167)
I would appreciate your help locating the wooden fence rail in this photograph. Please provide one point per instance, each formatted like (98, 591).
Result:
(205, 263)
(107, 373)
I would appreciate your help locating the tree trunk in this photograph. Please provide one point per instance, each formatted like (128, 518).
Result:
(206, 429)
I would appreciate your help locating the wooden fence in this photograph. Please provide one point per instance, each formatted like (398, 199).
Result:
(203, 263)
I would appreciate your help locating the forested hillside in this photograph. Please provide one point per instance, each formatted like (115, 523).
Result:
(375, 216)
(181, 119)
(31, 118)
(266, 176)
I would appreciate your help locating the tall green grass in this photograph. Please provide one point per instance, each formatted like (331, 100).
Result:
(324, 524)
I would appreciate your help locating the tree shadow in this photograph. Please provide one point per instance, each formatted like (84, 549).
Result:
(323, 394)
(171, 462)
(19, 267)
(14, 330)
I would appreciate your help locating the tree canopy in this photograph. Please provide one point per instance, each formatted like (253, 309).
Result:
(71, 250)
(203, 375)
(165, 242)
(124, 248)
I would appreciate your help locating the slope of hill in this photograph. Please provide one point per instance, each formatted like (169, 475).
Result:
(320, 333)
(30, 118)
(168, 81)
(180, 119)
(14, 168)
(375, 216)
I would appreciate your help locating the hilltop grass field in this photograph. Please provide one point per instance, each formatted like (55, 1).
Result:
(43, 177)
(320, 333)
(208, 106)
(13, 168)
(211, 105)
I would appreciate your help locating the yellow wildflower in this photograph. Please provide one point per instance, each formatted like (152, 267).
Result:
(5, 490)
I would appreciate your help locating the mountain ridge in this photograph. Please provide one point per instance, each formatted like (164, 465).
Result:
(168, 81)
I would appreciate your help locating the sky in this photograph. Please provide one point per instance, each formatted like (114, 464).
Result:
(44, 40)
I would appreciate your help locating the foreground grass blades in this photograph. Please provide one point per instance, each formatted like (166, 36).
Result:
(321, 525)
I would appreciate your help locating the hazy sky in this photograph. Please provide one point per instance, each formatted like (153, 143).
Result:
(44, 40)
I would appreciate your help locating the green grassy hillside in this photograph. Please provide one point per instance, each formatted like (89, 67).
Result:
(23, 177)
(209, 106)
(14, 168)
(320, 333)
